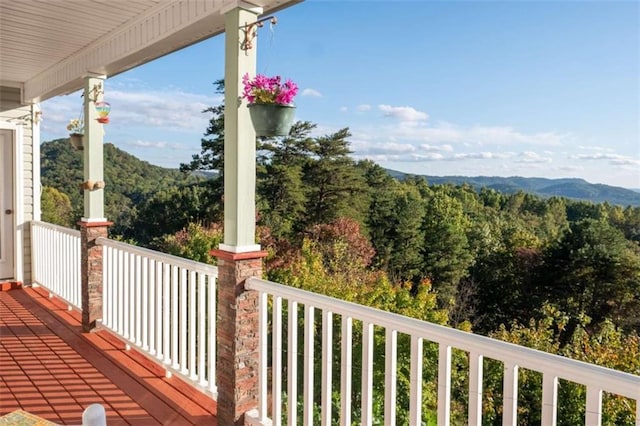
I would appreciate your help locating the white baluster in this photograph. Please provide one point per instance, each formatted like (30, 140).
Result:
(444, 384)
(184, 283)
(139, 302)
(174, 316)
(202, 322)
(327, 363)
(159, 306)
(593, 415)
(346, 366)
(106, 288)
(132, 297)
(307, 393)
(192, 325)
(262, 371)
(166, 315)
(510, 395)
(475, 389)
(292, 364)
(415, 393)
(126, 284)
(549, 399)
(276, 362)
(145, 302)
(367, 373)
(391, 365)
(152, 307)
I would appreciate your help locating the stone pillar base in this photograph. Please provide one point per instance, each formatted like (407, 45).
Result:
(237, 336)
(91, 272)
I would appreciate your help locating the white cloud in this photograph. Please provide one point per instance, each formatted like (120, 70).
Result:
(530, 157)
(156, 145)
(363, 108)
(404, 113)
(312, 93)
(508, 136)
(443, 133)
(612, 158)
(148, 144)
(482, 156)
(344, 109)
(413, 157)
(366, 148)
(168, 109)
(173, 110)
(595, 148)
(446, 147)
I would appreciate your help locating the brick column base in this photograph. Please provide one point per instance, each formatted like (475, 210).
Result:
(237, 336)
(91, 272)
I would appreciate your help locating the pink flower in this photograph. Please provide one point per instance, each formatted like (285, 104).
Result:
(268, 90)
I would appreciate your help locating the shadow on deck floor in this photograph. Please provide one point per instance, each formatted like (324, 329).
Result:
(50, 368)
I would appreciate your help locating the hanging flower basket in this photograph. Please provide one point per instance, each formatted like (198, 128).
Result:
(272, 119)
(76, 140)
(270, 104)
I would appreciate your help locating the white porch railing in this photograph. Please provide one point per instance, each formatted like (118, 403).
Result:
(55, 261)
(388, 325)
(165, 307)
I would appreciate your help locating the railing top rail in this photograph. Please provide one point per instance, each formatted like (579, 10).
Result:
(158, 256)
(610, 380)
(64, 230)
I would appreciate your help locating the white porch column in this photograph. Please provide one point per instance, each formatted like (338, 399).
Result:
(93, 224)
(93, 152)
(239, 135)
(237, 336)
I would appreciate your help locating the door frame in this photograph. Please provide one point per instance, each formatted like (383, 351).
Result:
(18, 196)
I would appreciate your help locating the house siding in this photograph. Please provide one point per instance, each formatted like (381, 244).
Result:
(14, 112)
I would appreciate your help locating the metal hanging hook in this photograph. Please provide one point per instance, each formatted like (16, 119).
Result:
(251, 30)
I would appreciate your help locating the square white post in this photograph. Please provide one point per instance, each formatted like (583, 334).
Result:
(239, 135)
(93, 151)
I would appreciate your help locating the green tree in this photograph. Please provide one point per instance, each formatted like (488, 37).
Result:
(593, 270)
(171, 210)
(211, 157)
(56, 207)
(281, 192)
(335, 185)
(395, 213)
(445, 252)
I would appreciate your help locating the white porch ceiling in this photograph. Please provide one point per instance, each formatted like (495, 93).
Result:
(47, 46)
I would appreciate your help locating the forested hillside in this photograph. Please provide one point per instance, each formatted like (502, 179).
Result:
(552, 273)
(129, 182)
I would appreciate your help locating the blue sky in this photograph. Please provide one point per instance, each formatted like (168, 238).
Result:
(493, 88)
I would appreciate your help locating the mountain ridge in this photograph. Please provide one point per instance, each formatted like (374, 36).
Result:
(573, 188)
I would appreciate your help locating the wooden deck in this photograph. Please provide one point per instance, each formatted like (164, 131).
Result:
(48, 367)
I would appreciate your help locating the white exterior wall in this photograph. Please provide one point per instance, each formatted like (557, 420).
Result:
(19, 118)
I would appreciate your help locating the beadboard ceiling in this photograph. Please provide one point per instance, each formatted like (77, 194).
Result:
(46, 46)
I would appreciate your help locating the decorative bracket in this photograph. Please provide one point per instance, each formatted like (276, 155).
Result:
(251, 30)
(95, 92)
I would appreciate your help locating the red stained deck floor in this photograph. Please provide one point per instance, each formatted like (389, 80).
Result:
(50, 368)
